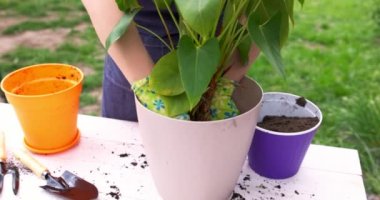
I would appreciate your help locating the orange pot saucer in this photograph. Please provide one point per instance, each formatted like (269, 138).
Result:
(56, 150)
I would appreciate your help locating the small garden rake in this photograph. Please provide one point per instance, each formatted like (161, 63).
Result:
(5, 170)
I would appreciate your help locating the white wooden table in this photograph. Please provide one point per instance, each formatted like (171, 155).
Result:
(111, 156)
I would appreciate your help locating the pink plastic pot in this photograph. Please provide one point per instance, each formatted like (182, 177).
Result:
(200, 160)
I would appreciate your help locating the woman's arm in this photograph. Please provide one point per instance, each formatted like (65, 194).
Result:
(128, 52)
(238, 69)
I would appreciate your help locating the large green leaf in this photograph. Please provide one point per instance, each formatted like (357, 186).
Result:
(251, 6)
(284, 29)
(120, 28)
(287, 13)
(128, 5)
(268, 8)
(267, 37)
(289, 5)
(165, 78)
(176, 105)
(197, 65)
(201, 15)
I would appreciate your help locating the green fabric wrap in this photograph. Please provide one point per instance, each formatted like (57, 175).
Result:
(222, 105)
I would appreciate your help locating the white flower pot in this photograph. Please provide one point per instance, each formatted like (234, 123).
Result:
(192, 160)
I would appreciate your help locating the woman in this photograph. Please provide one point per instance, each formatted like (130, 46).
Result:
(132, 57)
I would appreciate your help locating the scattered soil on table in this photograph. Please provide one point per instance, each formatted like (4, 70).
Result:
(267, 190)
(237, 196)
(115, 193)
(288, 124)
(16, 164)
(124, 155)
(144, 165)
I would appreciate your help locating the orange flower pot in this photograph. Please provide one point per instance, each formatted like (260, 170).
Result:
(46, 100)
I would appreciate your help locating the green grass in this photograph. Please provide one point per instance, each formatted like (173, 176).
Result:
(56, 14)
(332, 58)
(364, 120)
(38, 25)
(40, 8)
(87, 99)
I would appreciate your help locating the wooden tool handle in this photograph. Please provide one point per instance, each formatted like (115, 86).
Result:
(3, 151)
(27, 159)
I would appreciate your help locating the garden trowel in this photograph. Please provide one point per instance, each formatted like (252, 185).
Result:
(67, 185)
(4, 169)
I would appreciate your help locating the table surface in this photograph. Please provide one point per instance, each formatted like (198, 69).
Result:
(110, 155)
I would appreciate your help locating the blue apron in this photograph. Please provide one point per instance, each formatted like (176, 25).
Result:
(118, 98)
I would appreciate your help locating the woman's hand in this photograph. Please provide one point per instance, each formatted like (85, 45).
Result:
(238, 70)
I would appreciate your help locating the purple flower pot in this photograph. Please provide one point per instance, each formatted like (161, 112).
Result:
(279, 155)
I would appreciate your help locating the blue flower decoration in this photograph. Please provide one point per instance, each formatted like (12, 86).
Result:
(231, 104)
(229, 114)
(184, 116)
(213, 112)
(159, 104)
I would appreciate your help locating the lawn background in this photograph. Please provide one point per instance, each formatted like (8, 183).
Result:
(332, 58)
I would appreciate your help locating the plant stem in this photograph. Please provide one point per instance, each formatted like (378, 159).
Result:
(240, 36)
(157, 36)
(164, 24)
(172, 15)
(201, 112)
(192, 35)
(230, 39)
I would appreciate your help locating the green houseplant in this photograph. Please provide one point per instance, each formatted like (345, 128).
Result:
(202, 160)
(210, 32)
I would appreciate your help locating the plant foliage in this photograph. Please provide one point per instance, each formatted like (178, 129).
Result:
(210, 32)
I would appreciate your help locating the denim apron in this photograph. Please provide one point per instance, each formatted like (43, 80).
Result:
(118, 98)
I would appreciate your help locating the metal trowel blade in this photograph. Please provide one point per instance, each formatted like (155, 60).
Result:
(79, 188)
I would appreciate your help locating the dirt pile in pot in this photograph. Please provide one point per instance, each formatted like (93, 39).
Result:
(288, 124)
